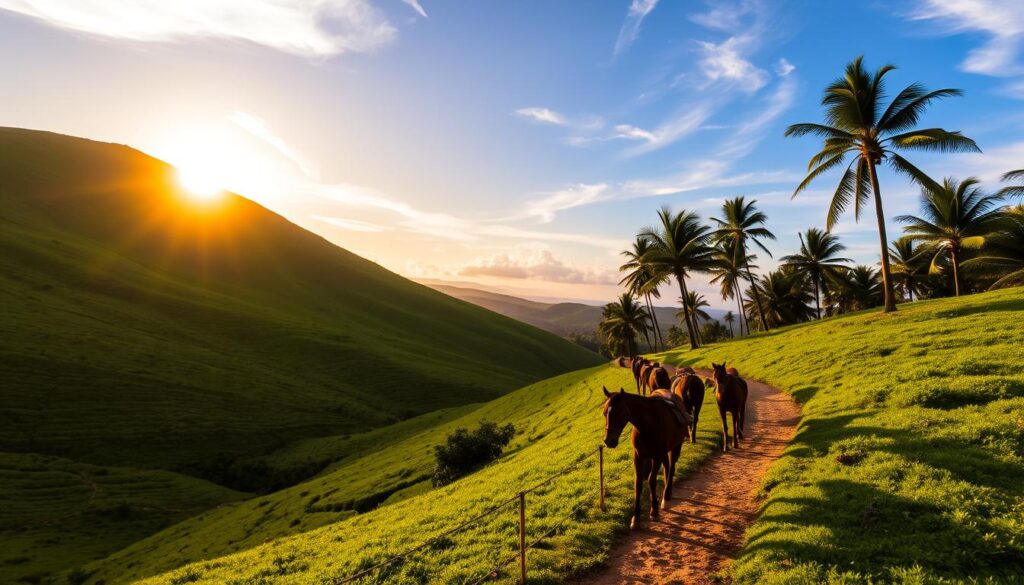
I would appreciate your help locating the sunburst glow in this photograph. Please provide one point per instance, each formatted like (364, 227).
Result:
(201, 182)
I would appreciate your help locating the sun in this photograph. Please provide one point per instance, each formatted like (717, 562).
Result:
(201, 181)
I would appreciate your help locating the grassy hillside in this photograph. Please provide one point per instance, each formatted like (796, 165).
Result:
(559, 318)
(908, 466)
(143, 329)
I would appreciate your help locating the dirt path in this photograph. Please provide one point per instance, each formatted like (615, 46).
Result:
(704, 526)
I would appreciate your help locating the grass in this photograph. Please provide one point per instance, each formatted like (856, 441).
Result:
(143, 331)
(902, 470)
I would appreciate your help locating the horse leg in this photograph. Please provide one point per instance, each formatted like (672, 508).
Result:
(670, 475)
(725, 429)
(736, 428)
(640, 471)
(693, 429)
(652, 483)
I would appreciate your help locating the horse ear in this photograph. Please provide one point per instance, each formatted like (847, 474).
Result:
(606, 392)
(713, 365)
(622, 390)
(723, 364)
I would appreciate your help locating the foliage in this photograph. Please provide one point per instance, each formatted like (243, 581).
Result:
(785, 297)
(818, 260)
(742, 225)
(622, 322)
(465, 450)
(909, 263)
(1002, 260)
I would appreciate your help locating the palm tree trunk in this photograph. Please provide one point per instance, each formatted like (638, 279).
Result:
(910, 289)
(757, 299)
(817, 302)
(955, 261)
(686, 310)
(654, 319)
(890, 298)
(739, 311)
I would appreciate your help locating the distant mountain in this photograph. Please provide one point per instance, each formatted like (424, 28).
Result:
(563, 319)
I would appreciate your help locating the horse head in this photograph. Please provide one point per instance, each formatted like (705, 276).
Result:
(719, 373)
(616, 415)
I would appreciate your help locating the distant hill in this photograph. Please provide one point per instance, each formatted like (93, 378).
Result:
(563, 319)
(143, 329)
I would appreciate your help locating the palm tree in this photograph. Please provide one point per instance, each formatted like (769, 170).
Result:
(742, 223)
(728, 275)
(785, 297)
(643, 279)
(729, 318)
(857, 125)
(909, 266)
(622, 321)
(1013, 190)
(695, 303)
(1004, 253)
(957, 216)
(680, 247)
(858, 288)
(818, 258)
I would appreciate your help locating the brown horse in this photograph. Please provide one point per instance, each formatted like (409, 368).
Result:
(637, 365)
(690, 387)
(657, 441)
(645, 375)
(658, 379)
(731, 395)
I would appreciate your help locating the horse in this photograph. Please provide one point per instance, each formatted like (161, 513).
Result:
(690, 387)
(645, 375)
(731, 395)
(636, 365)
(658, 379)
(657, 440)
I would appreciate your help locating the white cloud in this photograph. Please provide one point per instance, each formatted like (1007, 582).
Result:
(542, 115)
(725, 62)
(670, 131)
(259, 129)
(1001, 20)
(574, 196)
(350, 224)
(784, 67)
(749, 133)
(724, 16)
(535, 264)
(313, 28)
(415, 5)
(638, 11)
(632, 132)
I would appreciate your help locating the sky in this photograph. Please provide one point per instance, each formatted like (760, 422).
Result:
(515, 146)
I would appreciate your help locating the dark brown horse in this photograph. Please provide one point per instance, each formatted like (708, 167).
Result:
(637, 365)
(690, 387)
(658, 379)
(731, 395)
(657, 440)
(645, 375)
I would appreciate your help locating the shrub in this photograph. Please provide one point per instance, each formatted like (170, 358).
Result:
(466, 450)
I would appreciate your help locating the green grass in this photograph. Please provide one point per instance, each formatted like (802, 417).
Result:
(143, 331)
(902, 470)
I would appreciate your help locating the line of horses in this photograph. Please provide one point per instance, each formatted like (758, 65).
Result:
(664, 413)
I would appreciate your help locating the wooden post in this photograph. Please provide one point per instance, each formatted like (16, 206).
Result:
(600, 468)
(522, 538)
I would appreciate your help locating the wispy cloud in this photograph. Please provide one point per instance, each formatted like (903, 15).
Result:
(686, 122)
(725, 63)
(749, 133)
(1001, 20)
(545, 207)
(259, 129)
(415, 5)
(542, 116)
(784, 67)
(313, 28)
(630, 31)
(350, 224)
(535, 264)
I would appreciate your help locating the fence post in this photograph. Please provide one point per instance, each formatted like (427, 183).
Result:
(600, 467)
(522, 537)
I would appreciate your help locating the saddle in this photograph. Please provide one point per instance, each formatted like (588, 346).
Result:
(675, 403)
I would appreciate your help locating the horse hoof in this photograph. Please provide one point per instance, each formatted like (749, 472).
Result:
(654, 517)
(664, 503)
(632, 523)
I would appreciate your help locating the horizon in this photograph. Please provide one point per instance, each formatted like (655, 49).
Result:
(516, 148)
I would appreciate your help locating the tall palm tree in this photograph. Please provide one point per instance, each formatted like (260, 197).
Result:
(785, 296)
(679, 246)
(1013, 190)
(858, 288)
(623, 320)
(695, 304)
(957, 215)
(817, 259)
(856, 124)
(643, 279)
(729, 318)
(728, 275)
(1004, 253)
(743, 223)
(909, 266)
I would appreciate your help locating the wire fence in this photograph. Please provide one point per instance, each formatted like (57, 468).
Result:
(523, 546)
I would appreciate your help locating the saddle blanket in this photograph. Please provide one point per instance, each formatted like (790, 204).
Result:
(675, 403)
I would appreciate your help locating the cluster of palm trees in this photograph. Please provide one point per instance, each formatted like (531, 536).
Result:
(965, 239)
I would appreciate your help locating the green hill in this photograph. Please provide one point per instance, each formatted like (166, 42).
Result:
(142, 331)
(908, 466)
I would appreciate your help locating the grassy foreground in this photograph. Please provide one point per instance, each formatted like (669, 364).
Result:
(908, 465)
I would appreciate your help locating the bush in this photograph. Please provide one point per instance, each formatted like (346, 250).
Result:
(466, 450)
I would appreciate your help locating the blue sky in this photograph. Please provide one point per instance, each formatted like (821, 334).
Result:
(516, 145)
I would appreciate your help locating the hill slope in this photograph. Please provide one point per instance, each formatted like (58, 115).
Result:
(140, 328)
(559, 318)
(908, 466)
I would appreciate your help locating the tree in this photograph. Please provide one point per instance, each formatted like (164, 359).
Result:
(1013, 190)
(909, 266)
(622, 321)
(818, 258)
(729, 318)
(695, 303)
(1003, 256)
(679, 246)
(858, 288)
(957, 216)
(642, 278)
(785, 297)
(856, 124)
(743, 223)
(728, 275)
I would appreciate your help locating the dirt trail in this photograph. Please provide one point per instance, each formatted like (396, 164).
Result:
(704, 525)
